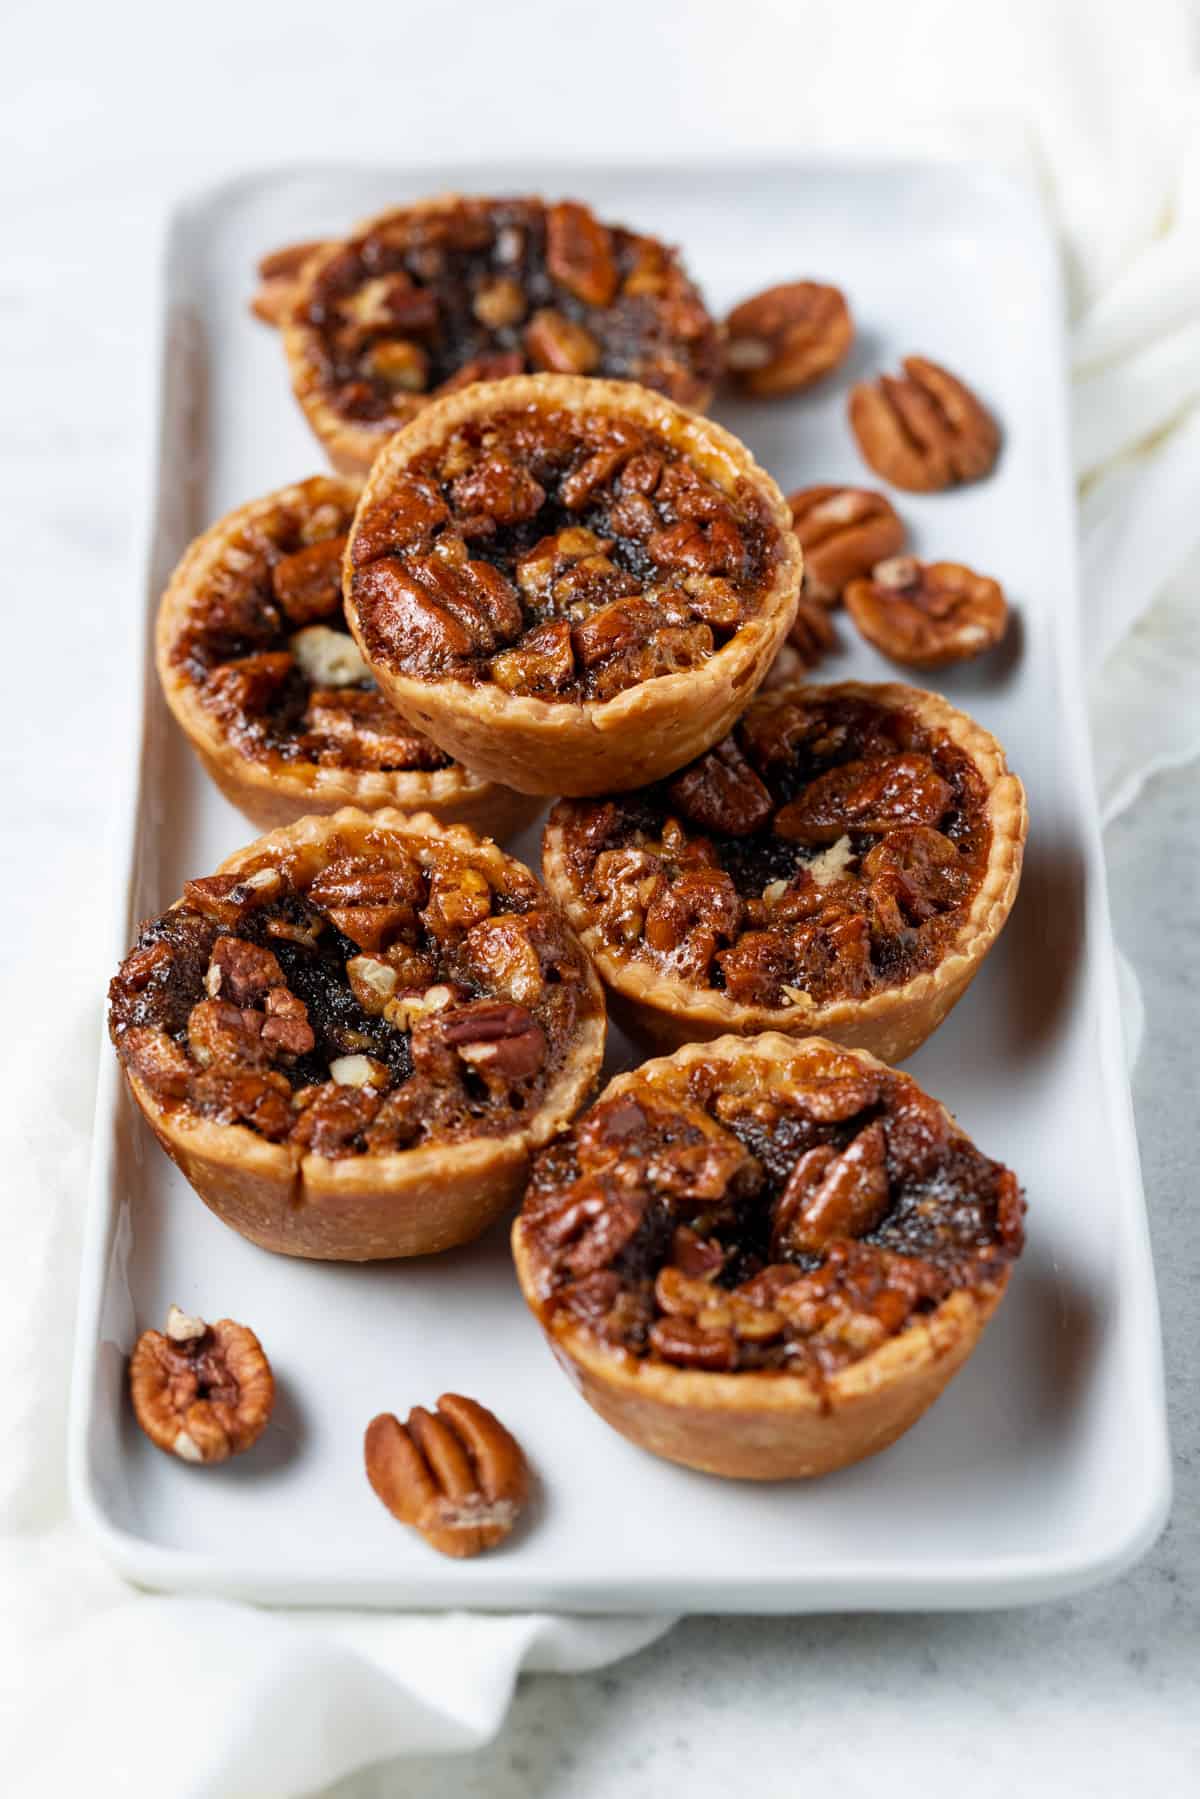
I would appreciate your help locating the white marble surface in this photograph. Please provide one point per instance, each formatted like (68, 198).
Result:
(106, 114)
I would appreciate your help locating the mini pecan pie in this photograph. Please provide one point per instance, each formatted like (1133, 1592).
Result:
(765, 1258)
(840, 864)
(260, 670)
(572, 585)
(352, 1035)
(428, 297)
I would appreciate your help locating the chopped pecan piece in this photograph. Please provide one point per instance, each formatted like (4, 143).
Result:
(308, 584)
(502, 1042)
(866, 796)
(688, 917)
(558, 345)
(262, 1100)
(459, 897)
(924, 430)
(788, 337)
(844, 532)
(502, 952)
(400, 364)
(224, 1036)
(498, 488)
(363, 731)
(287, 1032)
(456, 1475)
(499, 301)
(334, 1120)
(241, 972)
(408, 517)
(722, 793)
(250, 684)
(716, 548)
(928, 614)
(755, 968)
(202, 1392)
(157, 1061)
(544, 661)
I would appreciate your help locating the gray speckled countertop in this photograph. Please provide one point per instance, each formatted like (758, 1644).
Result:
(1097, 1695)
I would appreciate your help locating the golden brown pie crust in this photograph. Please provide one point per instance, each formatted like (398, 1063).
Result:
(892, 1023)
(271, 792)
(352, 444)
(648, 731)
(369, 1207)
(757, 1424)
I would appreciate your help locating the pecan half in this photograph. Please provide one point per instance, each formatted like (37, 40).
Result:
(788, 337)
(928, 614)
(579, 253)
(456, 1474)
(924, 430)
(202, 1392)
(866, 796)
(844, 532)
(721, 792)
(830, 1195)
(915, 873)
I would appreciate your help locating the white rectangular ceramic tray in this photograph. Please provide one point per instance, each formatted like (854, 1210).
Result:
(1044, 1467)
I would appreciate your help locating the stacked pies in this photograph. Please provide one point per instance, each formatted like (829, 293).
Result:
(541, 573)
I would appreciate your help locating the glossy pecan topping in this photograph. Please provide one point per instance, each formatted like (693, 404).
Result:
(924, 430)
(718, 1216)
(562, 556)
(844, 532)
(928, 614)
(788, 337)
(428, 298)
(830, 847)
(266, 649)
(394, 997)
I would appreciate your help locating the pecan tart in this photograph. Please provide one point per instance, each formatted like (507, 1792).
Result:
(261, 672)
(428, 297)
(765, 1258)
(571, 585)
(352, 1035)
(839, 865)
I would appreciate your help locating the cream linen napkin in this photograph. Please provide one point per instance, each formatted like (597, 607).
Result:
(282, 1703)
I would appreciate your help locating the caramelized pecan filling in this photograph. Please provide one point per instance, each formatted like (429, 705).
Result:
(267, 649)
(393, 999)
(827, 849)
(562, 555)
(429, 299)
(736, 1221)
